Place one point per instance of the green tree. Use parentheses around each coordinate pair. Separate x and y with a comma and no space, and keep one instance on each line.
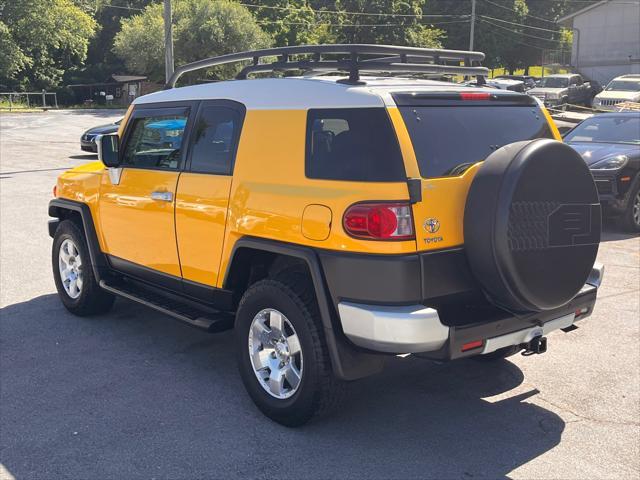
(45,37)
(504,28)
(12,60)
(101,60)
(385,23)
(201,29)
(289,22)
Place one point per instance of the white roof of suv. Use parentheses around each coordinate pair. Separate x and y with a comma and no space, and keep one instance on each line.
(295,93)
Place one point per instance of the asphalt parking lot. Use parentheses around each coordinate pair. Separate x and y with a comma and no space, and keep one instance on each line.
(133,394)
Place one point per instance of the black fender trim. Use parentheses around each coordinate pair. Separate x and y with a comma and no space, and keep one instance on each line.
(57,207)
(348,362)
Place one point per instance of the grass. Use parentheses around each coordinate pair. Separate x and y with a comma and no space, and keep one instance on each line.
(535,71)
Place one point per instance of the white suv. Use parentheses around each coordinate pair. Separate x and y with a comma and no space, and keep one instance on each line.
(625,88)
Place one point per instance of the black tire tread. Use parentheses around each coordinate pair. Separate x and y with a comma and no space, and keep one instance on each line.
(329,390)
(333,390)
(626,220)
(93,300)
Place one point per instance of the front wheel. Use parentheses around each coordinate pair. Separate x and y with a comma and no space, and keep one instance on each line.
(77,286)
(631,218)
(282,356)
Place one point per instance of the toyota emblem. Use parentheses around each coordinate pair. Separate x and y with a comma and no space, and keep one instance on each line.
(431,225)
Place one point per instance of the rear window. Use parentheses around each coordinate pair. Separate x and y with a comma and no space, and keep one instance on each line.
(447,139)
(352,144)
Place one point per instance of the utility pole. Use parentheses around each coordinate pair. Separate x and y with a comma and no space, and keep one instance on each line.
(168,41)
(473,24)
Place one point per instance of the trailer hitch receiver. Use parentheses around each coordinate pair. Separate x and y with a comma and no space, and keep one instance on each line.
(536,345)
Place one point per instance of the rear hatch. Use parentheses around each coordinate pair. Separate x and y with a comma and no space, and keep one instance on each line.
(451,133)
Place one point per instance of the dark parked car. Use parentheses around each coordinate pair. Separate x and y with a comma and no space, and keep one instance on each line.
(610,144)
(87,140)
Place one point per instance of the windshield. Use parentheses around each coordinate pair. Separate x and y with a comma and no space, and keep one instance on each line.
(554,82)
(624,86)
(447,139)
(601,129)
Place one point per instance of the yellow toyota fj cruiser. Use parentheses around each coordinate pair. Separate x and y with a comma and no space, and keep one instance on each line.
(333,221)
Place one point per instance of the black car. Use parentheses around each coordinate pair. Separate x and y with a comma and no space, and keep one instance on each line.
(87,140)
(610,144)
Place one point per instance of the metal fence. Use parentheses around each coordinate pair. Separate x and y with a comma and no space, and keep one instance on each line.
(554,60)
(28,100)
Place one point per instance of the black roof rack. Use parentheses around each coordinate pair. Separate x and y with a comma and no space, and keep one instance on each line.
(353,59)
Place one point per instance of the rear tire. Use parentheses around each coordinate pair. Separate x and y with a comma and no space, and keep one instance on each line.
(73,275)
(269,355)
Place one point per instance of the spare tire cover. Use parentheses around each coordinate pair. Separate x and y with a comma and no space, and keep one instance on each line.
(532,225)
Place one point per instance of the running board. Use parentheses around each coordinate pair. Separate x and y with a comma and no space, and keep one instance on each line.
(212,322)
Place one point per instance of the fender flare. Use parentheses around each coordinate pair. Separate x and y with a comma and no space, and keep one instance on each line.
(57,207)
(348,363)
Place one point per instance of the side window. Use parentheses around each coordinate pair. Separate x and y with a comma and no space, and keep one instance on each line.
(352,144)
(215,136)
(579,81)
(155,142)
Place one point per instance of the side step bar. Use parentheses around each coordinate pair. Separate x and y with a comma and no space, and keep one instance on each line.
(212,322)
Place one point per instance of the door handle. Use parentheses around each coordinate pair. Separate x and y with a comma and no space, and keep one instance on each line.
(162,196)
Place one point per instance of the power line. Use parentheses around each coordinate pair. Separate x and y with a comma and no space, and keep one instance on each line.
(519,24)
(520,33)
(338,12)
(515,11)
(324,24)
(503,35)
(106,5)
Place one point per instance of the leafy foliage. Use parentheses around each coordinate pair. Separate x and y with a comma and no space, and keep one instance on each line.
(201,29)
(43,38)
(80,41)
(388,25)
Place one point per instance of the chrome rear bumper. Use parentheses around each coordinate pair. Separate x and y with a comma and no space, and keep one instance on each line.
(419,329)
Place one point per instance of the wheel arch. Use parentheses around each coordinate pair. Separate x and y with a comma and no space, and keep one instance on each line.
(62,209)
(347,362)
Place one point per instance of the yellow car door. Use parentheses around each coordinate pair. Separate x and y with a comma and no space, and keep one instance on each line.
(202,197)
(137,200)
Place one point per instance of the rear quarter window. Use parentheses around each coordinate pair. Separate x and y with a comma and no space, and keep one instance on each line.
(357,144)
(446,139)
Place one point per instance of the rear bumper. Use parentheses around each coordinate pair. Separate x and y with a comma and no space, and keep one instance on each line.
(419,329)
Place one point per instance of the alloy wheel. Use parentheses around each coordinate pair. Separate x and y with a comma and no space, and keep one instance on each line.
(70,267)
(275,353)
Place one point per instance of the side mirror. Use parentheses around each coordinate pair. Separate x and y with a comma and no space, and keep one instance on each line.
(108,150)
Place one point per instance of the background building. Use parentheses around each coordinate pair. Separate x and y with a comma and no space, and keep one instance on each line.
(606,39)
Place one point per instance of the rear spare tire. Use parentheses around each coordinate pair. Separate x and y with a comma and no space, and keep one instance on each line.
(532,225)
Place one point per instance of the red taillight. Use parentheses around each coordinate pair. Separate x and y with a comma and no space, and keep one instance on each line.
(55,190)
(475,96)
(379,221)
(471,345)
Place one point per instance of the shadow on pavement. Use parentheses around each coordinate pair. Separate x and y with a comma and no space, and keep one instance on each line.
(613,232)
(86,156)
(134,394)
